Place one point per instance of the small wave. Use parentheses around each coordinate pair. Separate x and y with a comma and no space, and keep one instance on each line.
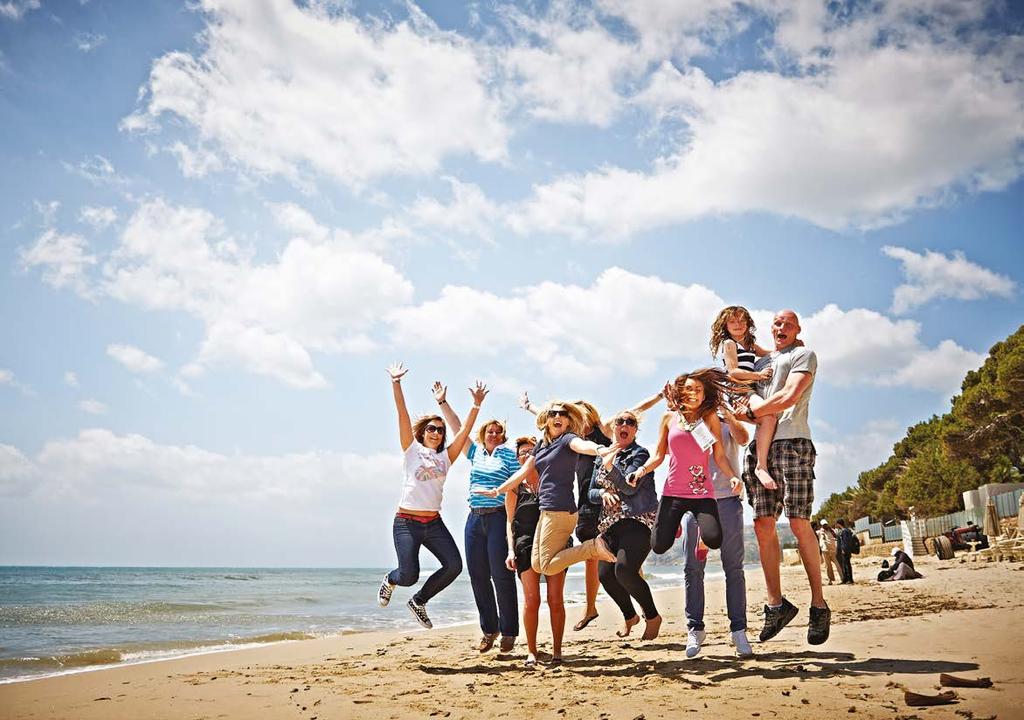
(102,613)
(241,577)
(57,662)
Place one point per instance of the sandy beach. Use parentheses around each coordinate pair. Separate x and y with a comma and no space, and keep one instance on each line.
(961,618)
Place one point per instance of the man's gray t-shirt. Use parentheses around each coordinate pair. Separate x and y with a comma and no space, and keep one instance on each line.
(792,421)
(719,479)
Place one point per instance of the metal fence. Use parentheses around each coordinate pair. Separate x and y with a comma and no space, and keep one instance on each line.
(1007,505)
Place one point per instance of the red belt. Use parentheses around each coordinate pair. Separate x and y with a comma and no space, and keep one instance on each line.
(418,518)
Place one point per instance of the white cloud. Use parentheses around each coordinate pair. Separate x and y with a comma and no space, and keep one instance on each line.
(841,459)
(870,131)
(934,275)
(98,170)
(303,505)
(568,68)
(862,346)
(99,218)
(71,379)
(93,407)
(16,9)
(136,360)
(87,41)
(195,162)
(319,295)
(470,213)
(63,258)
(283,90)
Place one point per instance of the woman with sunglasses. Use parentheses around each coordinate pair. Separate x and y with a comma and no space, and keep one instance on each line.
(597,431)
(418,520)
(522,506)
(628,512)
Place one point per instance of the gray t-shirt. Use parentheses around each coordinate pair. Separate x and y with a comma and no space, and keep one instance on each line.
(793,421)
(718,478)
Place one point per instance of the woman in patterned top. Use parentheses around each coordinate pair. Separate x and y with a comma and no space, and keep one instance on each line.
(628,512)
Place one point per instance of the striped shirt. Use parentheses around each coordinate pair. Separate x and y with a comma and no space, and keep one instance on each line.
(745,358)
(489,470)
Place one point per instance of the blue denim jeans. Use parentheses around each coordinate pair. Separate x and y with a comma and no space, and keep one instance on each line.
(494,585)
(409,535)
(730,516)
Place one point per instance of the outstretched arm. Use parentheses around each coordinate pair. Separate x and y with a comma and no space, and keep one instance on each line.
(525,404)
(527,472)
(640,407)
(478,393)
(787,397)
(661,451)
(397,372)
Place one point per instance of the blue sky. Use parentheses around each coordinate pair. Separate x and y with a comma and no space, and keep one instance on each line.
(221,222)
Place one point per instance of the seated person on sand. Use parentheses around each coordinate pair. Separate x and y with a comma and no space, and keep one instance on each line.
(902,568)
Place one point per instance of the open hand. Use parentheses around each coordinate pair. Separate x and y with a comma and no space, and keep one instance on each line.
(524,401)
(397,371)
(479,392)
(440,392)
(670,396)
(609,499)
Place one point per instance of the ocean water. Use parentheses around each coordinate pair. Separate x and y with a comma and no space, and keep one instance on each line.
(56,620)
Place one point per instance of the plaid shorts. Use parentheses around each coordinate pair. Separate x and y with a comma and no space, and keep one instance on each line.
(791,464)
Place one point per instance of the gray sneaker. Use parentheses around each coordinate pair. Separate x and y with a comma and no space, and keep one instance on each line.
(384,593)
(817,627)
(777,618)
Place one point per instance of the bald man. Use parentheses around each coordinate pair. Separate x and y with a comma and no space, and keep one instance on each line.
(791,465)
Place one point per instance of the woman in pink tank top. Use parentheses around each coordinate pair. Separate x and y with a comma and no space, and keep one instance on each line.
(690,433)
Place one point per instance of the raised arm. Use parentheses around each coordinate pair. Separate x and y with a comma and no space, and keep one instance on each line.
(718,450)
(441,395)
(588,447)
(796,384)
(641,407)
(732,362)
(525,404)
(661,451)
(397,372)
(478,393)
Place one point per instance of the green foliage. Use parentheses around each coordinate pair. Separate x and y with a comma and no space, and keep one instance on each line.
(980,440)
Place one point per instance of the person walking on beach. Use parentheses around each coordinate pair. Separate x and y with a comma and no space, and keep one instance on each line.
(597,431)
(628,512)
(844,550)
(791,465)
(522,506)
(730,515)
(418,520)
(827,545)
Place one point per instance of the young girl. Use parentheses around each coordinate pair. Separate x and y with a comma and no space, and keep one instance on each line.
(733,334)
(689,436)
(418,520)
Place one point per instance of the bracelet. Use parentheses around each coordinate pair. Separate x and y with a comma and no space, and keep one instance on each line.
(750,414)
(442,402)
(477,407)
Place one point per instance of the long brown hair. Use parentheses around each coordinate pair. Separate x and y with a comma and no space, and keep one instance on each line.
(720,328)
(717,385)
(591,416)
(575,418)
(419,427)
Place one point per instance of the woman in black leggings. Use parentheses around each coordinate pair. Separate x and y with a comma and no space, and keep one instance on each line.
(628,509)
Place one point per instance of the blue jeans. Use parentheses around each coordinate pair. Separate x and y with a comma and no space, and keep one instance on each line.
(486,550)
(409,535)
(730,516)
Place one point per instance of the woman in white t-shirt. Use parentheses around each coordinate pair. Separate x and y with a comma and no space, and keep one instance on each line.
(418,520)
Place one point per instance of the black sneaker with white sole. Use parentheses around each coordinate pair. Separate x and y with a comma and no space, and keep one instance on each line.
(817,627)
(420,613)
(777,618)
(384,593)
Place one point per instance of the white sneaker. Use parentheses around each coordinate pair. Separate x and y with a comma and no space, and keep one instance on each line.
(384,593)
(743,649)
(694,639)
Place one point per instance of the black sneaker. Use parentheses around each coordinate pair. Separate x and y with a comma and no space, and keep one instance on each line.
(777,618)
(817,628)
(420,613)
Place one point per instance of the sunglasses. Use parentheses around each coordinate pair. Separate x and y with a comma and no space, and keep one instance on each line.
(434,429)
(625,421)
(558,413)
